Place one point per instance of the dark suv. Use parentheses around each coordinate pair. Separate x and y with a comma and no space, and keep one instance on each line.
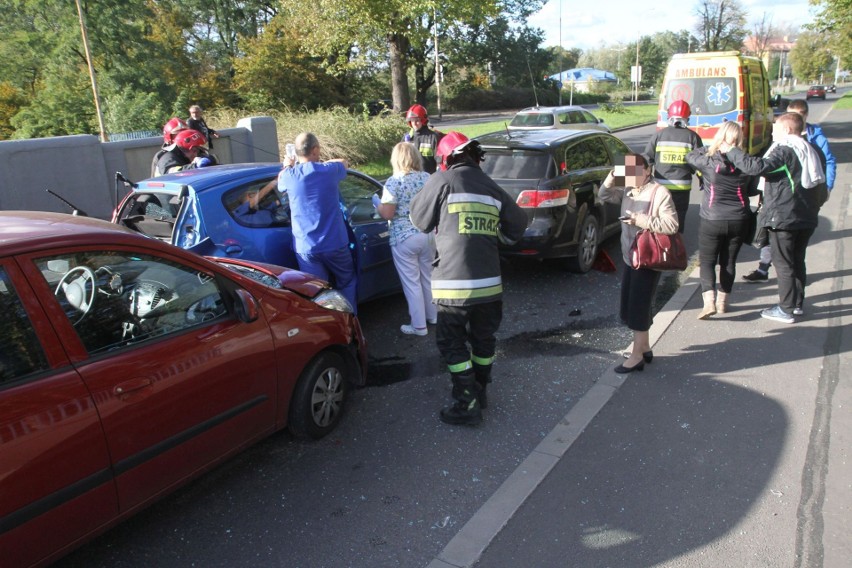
(555,175)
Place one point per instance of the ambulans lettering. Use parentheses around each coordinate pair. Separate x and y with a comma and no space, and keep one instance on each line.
(698,72)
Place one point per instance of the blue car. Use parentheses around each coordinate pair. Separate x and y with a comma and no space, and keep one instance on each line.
(202,210)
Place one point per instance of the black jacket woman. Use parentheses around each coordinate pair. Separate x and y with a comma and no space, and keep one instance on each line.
(725,217)
(634,189)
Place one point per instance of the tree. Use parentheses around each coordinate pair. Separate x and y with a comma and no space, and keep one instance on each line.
(393,26)
(834,19)
(810,57)
(563,59)
(761,33)
(11,101)
(275,72)
(721,24)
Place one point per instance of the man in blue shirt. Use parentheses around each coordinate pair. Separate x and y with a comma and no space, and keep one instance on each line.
(320,239)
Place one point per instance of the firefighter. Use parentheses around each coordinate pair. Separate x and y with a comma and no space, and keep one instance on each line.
(666,151)
(473,216)
(424,138)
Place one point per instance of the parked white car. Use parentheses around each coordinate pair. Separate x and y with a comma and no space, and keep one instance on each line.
(547,118)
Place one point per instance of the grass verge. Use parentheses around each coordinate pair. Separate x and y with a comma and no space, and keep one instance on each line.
(844,102)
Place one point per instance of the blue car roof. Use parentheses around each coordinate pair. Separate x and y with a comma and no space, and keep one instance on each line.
(202,179)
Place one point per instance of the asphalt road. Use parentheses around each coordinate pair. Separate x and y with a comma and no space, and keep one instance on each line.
(392,485)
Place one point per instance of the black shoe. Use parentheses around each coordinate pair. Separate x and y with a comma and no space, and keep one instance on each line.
(482,397)
(756,276)
(462,414)
(647,356)
(621,369)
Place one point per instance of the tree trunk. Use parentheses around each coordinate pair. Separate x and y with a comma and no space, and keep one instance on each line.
(399,45)
(423,81)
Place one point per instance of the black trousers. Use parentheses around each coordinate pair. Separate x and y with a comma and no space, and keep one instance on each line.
(788,256)
(680,197)
(638,288)
(459,325)
(719,242)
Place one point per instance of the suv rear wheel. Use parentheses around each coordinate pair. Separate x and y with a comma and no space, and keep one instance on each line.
(587,247)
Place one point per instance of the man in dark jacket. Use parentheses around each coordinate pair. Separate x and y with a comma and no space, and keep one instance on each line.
(424,138)
(188,152)
(472,215)
(196,122)
(792,170)
(667,151)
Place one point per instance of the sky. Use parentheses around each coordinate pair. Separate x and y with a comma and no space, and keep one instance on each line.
(590,25)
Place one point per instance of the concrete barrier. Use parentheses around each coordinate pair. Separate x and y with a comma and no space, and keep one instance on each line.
(82,169)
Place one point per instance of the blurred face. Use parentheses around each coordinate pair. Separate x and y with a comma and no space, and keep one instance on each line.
(633,171)
(195,113)
(415,123)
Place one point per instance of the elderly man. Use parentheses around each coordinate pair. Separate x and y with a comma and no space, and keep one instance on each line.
(320,239)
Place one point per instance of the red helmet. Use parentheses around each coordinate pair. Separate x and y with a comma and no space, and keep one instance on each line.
(679,109)
(417,111)
(452,144)
(189,139)
(171,128)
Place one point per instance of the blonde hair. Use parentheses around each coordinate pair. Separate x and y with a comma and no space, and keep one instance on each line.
(729,132)
(405,159)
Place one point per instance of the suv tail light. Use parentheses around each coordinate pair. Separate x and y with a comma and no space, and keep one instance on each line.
(533,198)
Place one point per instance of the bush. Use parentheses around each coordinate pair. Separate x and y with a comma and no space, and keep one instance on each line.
(342,134)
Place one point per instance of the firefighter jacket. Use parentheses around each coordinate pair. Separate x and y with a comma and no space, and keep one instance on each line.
(472,215)
(666,151)
(426,141)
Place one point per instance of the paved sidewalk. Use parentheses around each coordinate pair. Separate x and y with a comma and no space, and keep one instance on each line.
(731,449)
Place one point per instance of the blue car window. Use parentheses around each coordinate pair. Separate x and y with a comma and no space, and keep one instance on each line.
(357,194)
(20,351)
(150,213)
(249,208)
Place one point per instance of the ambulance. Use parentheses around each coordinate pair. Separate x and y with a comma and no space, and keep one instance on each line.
(720,86)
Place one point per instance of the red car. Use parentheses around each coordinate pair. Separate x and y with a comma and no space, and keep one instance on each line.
(816,92)
(129,366)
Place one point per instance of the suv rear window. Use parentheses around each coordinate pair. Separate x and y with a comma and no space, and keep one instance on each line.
(518,164)
(532,119)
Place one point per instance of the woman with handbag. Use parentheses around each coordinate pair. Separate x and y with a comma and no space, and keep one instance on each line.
(726,217)
(645,205)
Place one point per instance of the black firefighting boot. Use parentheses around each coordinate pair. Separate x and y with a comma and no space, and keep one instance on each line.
(483,377)
(466,409)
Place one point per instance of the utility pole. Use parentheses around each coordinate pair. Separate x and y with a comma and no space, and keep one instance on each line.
(104,137)
(438,71)
(559,81)
(638,73)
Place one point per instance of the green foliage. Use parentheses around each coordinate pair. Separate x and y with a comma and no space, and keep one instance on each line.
(342,134)
(128,109)
(834,20)
(63,106)
(810,57)
(11,101)
(275,72)
(616,107)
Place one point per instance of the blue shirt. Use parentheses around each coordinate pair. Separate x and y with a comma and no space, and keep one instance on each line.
(318,224)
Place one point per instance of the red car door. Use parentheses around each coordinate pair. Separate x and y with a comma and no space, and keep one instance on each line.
(178,380)
(56,484)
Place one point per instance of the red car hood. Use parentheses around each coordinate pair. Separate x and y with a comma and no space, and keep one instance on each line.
(302,283)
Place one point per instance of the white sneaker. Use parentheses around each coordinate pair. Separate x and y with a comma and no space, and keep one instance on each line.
(411,330)
(432,322)
(798,312)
